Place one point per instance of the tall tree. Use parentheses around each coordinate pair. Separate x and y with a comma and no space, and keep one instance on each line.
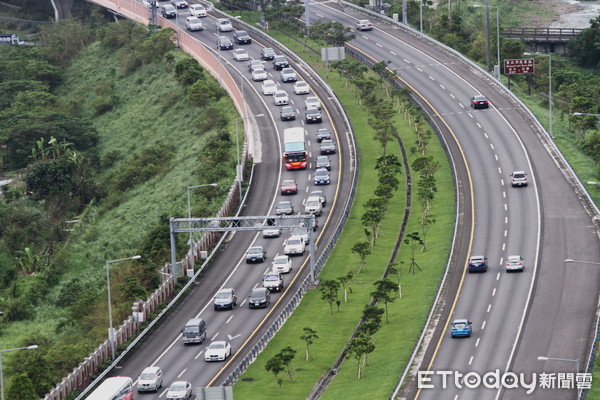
(276,365)
(363,249)
(20,387)
(385,292)
(287,355)
(332,33)
(329,292)
(309,337)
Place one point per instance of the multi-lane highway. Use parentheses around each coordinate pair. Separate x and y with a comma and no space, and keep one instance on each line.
(544,222)
(242,326)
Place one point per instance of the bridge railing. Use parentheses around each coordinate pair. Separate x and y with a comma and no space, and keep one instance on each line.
(541,34)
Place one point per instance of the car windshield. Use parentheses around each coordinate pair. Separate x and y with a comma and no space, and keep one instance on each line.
(280,260)
(519,176)
(147,375)
(322,159)
(312,111)
(257,293)
(289,183)
(191,329)
(294,241)
(255,250)
(327,142)
(177,387)
(214,346)
(193,20)
(301,84)
(242,33)
(223,295)
(321,173)
(460,325)
(477,260)
(271,278)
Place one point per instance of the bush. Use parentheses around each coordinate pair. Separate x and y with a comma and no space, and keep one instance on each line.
(143,166)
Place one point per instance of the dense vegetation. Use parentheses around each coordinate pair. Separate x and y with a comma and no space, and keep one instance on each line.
(101,131)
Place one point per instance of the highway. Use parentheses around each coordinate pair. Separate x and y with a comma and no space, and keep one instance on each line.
(544,222)
(241,326)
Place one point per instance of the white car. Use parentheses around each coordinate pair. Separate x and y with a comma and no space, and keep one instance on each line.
(223,25)
(269,87)
(150,380)
(294,246)
(259,74)
(179,390)
(198,10)
(280,98)
(364,25)
(218,350)
(240,55)
(288,75)
(282,264)
(271,232)
(515,263)
(193,24)
(313,205)
(301,87)
(519,178)
(312,102)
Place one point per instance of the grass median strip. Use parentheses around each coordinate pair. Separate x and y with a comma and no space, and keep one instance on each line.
(394,342)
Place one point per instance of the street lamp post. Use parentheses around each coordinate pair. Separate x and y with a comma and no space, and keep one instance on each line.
(111,331)
(238,168)
(576,361)
(32,347)
(496,72)
(189,208)
(549,55)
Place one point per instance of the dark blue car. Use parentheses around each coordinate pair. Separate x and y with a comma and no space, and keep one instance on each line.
(478,264)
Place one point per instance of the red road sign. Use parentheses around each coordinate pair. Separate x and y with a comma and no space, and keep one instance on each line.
(518,66)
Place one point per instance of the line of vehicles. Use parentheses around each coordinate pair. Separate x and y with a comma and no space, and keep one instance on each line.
(479,263)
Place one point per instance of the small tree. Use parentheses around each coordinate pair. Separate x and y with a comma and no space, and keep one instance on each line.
(287,355)
(413,240)
(343,281)
(363,249)
(276,365)
(332,33)
(359,347)
(309,336)
(385,293)
(329,292)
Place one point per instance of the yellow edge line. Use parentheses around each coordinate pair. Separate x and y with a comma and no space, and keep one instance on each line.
(437,347)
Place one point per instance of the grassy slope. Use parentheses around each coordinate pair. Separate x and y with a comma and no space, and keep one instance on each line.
(152,108)
(395,341)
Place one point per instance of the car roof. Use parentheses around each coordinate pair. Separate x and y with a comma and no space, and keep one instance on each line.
(259,290)
(226,290)
(312,198)
(461,321)
(151,369)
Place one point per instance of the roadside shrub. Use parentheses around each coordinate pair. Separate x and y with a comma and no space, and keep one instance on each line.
(188,71)
(143,166)
(17,310)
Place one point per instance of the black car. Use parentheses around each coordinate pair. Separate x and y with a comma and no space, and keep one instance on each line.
(241,37)
(259,298)
(287,113)
(323,162)
(179,3)
(479,102)
(169,11)
(256,254)
(267,54)
(224,43)
(327,147)
(280,62)
(313,115)
(323,133)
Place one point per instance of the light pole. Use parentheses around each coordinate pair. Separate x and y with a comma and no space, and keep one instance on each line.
(549,55)
(568,260)
(32,347)
(497,72)
(111,331)
(191,241)
(238,168)
(576,361)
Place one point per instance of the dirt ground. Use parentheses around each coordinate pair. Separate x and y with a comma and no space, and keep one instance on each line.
(565,13)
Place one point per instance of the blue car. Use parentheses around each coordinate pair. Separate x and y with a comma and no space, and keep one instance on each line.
(461,328)
(322,177)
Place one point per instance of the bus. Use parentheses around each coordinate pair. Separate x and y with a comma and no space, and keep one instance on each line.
(295,155)
(115,388)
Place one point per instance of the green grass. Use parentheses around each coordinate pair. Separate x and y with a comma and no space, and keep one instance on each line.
(151,108)
(395,341)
